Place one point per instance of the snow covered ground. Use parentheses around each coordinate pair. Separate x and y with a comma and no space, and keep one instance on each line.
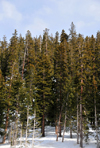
(49,141)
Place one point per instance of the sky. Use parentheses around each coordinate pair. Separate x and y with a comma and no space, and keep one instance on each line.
(36,15)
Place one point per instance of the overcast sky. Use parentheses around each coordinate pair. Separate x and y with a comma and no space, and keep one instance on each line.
(36,15)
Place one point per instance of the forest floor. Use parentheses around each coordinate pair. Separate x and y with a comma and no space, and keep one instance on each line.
(49,141)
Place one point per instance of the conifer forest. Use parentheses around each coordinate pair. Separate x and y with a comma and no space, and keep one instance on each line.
(50,80)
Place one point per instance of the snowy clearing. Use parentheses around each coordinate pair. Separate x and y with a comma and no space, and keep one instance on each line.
(49,141)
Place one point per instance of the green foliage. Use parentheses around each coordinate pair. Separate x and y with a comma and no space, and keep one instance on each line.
(45,74)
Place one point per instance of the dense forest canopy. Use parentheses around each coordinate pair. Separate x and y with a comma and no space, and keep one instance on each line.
(58,77)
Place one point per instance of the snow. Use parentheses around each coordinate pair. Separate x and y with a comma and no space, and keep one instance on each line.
(49,141)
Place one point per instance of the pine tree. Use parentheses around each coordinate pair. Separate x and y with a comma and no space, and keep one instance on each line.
(43,83)
(60,76)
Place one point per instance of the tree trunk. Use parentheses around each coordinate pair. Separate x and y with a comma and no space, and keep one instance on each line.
(77,123)
(11,136)
(65,120)
(95,90)
(60,119)
(27,127)
(34,129)
(96,125)
(81,129)
(43,125)
(58,131)
(81,126)
(16,128)
(4,138)
(43,116)
(56,127)
(14,134)
(60,113)
(21,135)
(71,130)
(64,126)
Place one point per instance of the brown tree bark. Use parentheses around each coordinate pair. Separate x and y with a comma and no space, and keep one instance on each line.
(81,126)
(43,125)
(43,116)
(71,130)
(58,126)
(64,126)
(77,122)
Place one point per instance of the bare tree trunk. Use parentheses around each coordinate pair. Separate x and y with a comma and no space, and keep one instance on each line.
(81,129)
(43,125)
(81,126)
(43,116)
(77,123)
(60,120)
(65,120)
(34,129)
(60,130)
(21,135)
(15,142)
(64,126)
(27,127)
(57,133)
(70,130)
(16,128)
(96,125)
(11,136)
(14,132)
(60,112)
(58,126)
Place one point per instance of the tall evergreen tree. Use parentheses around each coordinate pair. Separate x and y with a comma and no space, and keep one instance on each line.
(43,84)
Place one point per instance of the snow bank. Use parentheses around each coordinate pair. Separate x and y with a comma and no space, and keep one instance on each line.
(50,141)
